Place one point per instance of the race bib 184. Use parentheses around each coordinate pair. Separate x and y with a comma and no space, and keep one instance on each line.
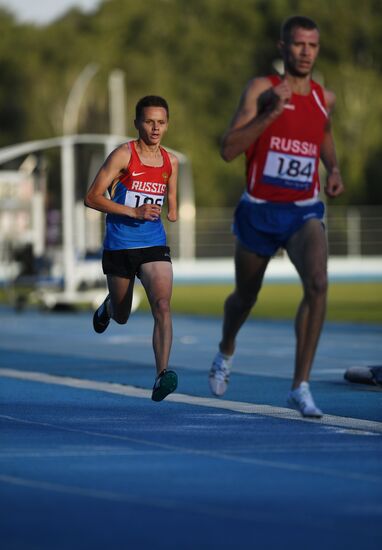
(293,172)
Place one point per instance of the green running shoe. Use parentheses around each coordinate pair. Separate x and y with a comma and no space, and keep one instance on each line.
(166,382)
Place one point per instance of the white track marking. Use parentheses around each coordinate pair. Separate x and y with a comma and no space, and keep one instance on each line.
(211,402)
(231,457)
(204,510)
(80,491)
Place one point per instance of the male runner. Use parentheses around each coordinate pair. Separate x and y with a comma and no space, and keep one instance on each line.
(282,125)
(138,175)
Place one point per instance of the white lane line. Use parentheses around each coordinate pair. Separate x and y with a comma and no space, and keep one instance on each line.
(108,452)
(222,404)
(201,509)
(81,491)
(218,455)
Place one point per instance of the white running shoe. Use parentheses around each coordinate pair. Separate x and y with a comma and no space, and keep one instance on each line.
(301,399)
(219,374)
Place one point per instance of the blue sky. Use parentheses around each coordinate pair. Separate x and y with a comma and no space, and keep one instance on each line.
(44,11)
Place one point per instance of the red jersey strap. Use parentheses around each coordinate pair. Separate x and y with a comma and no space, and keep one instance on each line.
(135,160)
(166,160)
(319,96)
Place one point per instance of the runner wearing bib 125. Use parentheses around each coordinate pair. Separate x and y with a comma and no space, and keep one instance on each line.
(138,175)
(138,185)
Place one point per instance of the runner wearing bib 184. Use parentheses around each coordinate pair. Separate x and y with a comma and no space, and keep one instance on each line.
(282,125)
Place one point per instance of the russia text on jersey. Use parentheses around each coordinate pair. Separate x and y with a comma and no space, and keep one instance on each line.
(148,187)
(296,146)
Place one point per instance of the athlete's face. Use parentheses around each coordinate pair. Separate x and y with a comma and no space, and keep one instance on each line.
(301,52)
(152,125)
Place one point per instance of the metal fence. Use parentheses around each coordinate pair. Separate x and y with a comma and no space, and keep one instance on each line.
(355,231)
(352,231)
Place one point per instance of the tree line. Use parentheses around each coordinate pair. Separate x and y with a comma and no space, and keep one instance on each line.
(199,55)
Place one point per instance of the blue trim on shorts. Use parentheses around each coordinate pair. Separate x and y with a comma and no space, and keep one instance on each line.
(264,228)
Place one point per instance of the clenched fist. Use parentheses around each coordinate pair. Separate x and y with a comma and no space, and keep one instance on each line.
(149,212)
(273,100)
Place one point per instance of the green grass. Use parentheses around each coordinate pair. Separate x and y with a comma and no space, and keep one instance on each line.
(351,302)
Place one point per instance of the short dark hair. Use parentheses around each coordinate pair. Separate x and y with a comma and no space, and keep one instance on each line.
(150,101)
(296,21)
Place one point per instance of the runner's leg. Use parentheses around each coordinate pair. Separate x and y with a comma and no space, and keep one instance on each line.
(121,297)
(156,278)
(307,249)
(249,269)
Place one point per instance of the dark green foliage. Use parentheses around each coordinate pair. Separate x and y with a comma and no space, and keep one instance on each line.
(198,54)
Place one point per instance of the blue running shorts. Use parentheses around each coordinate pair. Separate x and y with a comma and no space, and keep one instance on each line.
(265,227)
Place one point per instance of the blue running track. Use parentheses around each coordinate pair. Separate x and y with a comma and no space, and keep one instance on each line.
(88,461)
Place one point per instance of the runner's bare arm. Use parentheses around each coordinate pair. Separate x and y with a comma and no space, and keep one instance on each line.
(259,106)
(334,185)
(110,171)
(172,214)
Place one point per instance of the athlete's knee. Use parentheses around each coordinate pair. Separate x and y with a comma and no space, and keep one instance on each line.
(161,307)
(317,285)
(241,300)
